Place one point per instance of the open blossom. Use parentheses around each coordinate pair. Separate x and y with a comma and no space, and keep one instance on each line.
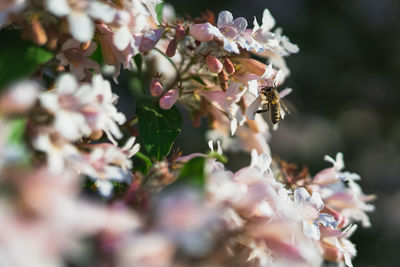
(80,14)
(106,162)
(348,199)
(267,40)
(80,109)
(232,31)
(75,57)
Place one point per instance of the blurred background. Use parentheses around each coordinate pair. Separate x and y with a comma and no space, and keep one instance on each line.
(346,98)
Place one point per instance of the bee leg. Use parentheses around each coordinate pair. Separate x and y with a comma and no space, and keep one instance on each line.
(262,110)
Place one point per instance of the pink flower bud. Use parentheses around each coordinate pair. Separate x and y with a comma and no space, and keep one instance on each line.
(180,32)
(213,64)
(169,99)
(150,39)
(156,87)
(171,49)
(229,67)
(204,32)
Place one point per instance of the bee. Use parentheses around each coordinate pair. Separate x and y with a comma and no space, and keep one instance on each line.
(271,101)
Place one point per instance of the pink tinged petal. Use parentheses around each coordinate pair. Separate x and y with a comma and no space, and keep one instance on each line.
(214,64)
(150,39)
(268,22)
(240,24)
(156,87)
(102,11)
(329,232)
(169,99)
(215,97)
(190,156)
(58,7)
(204,32)
(233,93)
(326,177)
(252,108)
(122,38)
(225,18)
(80,26)
(285,92)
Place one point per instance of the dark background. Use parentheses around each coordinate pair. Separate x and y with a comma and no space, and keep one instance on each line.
(345,82)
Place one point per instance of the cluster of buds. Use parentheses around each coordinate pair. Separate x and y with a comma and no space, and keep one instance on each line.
(261,215)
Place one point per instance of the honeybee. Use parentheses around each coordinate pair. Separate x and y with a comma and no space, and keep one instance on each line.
(270,100)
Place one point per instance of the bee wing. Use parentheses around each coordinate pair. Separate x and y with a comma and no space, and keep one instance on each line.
(283,109)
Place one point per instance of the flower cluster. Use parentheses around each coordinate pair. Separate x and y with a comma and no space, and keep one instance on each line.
(70,186)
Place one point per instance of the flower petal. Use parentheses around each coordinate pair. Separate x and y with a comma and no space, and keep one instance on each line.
(80,26)
(225,18)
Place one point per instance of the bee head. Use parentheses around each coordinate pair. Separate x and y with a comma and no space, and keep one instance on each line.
(267,89)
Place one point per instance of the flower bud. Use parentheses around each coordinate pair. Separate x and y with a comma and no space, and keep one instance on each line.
(38,32)
(180,32)
(156,87)
(204,32)
(223,78)
(229,67)
(171,49)
(96,135)
(213,64)
(169,99)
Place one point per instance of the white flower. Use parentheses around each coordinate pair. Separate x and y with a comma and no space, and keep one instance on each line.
(79,15)
(232,31)
(75,57)
(80,109)
(265,39)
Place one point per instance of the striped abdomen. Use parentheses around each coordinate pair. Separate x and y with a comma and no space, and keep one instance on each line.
(275,113)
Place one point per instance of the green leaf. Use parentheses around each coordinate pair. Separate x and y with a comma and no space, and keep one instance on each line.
(139,62)
(198,79)
(97,55)
(143,168)
(158,128)
(18,58)
(192,172)
(159,10)
(16,141)
(17,131)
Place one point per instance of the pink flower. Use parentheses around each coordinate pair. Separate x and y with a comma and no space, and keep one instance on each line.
(213,64)
(169,99)
(75,57)
(204,32)
(156,87)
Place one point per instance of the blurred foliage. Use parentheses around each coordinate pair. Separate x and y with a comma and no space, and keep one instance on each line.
(20,58)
